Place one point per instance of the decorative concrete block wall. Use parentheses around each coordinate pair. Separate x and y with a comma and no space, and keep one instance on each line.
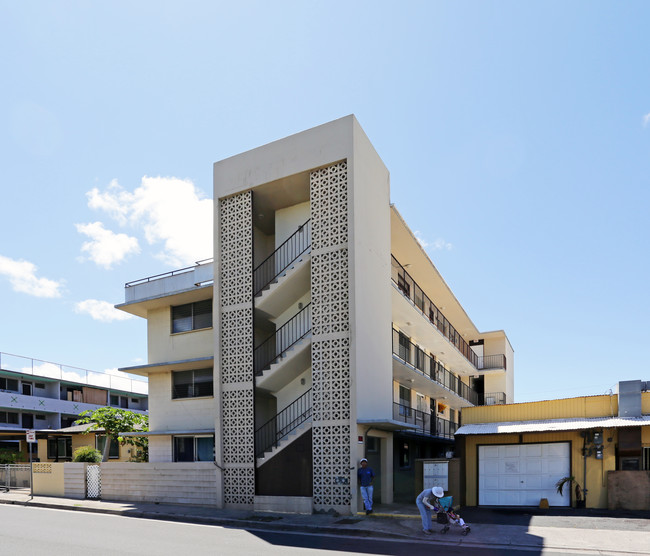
(236,349)
(330,304)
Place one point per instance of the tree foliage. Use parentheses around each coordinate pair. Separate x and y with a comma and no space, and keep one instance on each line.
(115,421)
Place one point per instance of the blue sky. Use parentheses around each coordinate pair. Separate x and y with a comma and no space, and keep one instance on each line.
(517,135)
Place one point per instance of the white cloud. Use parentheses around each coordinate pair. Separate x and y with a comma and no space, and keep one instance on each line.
(170,211)
(646,120)
(438,245)
(106,248)
(22,276)
(100,310)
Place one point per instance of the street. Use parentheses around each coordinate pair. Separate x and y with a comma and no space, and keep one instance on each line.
(41,532)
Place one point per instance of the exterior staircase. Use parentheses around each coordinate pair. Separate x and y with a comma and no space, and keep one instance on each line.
(280,431)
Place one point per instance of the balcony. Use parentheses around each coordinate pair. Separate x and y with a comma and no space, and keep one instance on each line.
(433,379)
(425,423)
(492,398)
(410,290)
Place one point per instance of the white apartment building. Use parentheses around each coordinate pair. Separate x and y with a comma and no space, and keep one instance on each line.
(47,397)
(319,333)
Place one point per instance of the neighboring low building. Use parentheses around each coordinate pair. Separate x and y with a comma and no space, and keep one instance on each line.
(59,445)
(46,397)
(321,332)
(513,455)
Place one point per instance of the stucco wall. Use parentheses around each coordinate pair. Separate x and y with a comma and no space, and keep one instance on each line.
(287,221)
(164,346)
(48,479)
(184,414)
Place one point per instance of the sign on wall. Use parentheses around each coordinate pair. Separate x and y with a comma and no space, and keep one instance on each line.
(436,474)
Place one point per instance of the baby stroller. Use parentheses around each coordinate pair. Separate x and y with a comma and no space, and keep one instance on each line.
(447,515)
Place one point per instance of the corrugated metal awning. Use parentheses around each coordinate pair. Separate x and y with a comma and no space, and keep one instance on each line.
(550,425)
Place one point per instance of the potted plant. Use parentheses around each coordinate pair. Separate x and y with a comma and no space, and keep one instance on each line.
(564,481)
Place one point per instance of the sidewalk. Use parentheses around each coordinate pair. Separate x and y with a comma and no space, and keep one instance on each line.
(596,532)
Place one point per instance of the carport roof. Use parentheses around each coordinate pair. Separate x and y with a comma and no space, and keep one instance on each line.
(549,425)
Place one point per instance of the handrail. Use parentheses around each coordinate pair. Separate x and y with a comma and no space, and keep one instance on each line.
(271,433)
(426,423)
(167,274)
(410,289)
(278,261)
(291,332)
(415,356)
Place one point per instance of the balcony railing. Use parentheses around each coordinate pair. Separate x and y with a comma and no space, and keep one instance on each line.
(168,274)
(492,398)
(282,258)
(491,362)
(425,422)
(290,333)
(271,433)
(412,354)
(410,289)
(66,373)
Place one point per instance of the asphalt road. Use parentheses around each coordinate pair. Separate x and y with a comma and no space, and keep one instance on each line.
(41,532)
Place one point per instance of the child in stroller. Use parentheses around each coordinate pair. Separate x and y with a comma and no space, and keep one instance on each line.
(446,514)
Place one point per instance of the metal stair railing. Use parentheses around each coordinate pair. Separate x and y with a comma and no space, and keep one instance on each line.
(290,333)
(282,258)
(271,433)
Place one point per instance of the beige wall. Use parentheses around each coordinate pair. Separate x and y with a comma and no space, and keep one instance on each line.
(48,479)
(184,414)
(370,282)
(160,449)
(287,221)
(164,346)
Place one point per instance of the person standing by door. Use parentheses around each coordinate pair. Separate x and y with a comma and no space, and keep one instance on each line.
(366,476)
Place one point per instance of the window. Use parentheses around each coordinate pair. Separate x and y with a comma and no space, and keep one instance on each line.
(404,347)
(8,384)
(194,448)
(404,401)
(120,401)
(59,448)
(27,388)
(8,417)
(192,384)
(645,465)
(192,316)
(28,420)
(114,450)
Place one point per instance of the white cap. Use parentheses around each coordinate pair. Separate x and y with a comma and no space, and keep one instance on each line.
(362,460)
(438,492)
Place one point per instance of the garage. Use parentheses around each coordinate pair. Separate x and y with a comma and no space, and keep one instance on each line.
(522,474)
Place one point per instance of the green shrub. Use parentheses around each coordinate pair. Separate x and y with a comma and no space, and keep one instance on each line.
(87,454)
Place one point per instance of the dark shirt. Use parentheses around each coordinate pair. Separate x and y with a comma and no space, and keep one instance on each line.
(365,476)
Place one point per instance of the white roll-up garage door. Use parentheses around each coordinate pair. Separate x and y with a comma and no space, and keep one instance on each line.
(522,474)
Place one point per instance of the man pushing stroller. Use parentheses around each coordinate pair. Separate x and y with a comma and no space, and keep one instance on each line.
(434,499)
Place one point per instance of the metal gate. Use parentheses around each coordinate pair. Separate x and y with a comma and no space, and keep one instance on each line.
(93,481)
(14,476)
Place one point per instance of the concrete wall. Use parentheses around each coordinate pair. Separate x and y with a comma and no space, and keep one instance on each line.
(185,414)
(49,479)
(160,449)
(164,346)
(628,490)
(370,283)
(287,221)
(171,483)
(74,478)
